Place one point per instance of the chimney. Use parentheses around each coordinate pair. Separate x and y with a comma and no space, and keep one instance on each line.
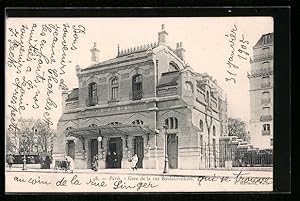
(64,94)
(78,70)
(162,35)
(180,50)
(94,52)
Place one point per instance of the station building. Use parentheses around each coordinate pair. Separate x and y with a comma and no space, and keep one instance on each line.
(121,107)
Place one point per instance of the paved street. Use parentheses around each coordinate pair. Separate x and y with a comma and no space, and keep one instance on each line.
(265,172)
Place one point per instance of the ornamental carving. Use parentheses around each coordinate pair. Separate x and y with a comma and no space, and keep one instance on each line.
(265,118)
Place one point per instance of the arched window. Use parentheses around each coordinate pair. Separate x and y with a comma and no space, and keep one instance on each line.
(173,66)
(266,111)
(138,122)
(265,50)
(92,125)
(266,94)
(266,97)
(188,86)
(92,93)
(214,131)
(201,125)
(137,87)
(266,129)
(265,65)
(114,123)
(114,88)
(172,123)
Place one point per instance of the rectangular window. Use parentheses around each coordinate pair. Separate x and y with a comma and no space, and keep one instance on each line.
(114,93)
(214,147)
(266,127)
(271,142)
(201,143)
(266,111)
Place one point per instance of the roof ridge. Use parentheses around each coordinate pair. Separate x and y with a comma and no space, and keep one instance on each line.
(136,49)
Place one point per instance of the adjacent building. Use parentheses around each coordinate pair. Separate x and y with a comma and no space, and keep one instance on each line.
(135,103)
(261,93)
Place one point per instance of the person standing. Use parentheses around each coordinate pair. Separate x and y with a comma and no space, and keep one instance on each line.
(10,160)
(47,162)
(70,163)
(95,163)
(134,161)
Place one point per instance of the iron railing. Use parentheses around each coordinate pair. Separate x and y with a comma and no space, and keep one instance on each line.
(261,72)
(259,57)
(266,132)
(264,118)
(137,95)
(92,101)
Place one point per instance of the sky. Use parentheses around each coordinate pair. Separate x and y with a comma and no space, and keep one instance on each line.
(204,39)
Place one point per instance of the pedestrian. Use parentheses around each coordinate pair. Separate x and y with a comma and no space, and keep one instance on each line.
(134,160)
(108,160)
(71,164)
(10,160)
(115,159)
(47,162)
(95,163)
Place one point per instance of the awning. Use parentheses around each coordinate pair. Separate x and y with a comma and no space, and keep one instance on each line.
(107,130)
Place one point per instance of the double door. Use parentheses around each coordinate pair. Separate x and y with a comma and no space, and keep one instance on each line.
(115,153)
(172,148)
(138,145)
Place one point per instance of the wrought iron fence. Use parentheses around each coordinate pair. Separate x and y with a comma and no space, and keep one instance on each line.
(238,155)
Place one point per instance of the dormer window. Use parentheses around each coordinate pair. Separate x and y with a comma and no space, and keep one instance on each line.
(173,66)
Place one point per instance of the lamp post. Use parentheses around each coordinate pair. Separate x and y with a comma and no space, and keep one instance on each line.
(166,167)
(24,157)
(99,139)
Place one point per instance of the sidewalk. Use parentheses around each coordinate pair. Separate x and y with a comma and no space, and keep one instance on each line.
(155,172)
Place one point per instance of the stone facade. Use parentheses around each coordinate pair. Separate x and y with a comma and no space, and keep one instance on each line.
(152,86)
(261,93)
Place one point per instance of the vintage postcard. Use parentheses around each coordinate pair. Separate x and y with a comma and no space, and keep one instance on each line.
(140,104)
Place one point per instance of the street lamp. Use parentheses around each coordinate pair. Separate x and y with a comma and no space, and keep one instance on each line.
(166,168)
(24,157)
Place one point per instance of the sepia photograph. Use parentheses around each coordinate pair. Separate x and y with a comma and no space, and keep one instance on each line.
(139,104)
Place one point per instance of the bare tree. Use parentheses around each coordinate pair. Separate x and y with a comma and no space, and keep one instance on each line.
(33,136)
(237,127)
(44,135)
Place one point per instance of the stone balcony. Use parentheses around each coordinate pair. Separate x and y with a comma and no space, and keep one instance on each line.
(260,72)
(266,132)
(92,101)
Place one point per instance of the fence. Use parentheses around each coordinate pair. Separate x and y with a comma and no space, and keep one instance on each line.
(240,156)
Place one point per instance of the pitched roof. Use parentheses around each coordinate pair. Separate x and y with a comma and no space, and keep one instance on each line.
(265,39)
(125,55)
(168,79)
(73,95)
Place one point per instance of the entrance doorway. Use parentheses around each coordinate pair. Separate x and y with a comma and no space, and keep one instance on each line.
(94,149)
(138,143)
(115,153)
(173,150)
(71,149)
